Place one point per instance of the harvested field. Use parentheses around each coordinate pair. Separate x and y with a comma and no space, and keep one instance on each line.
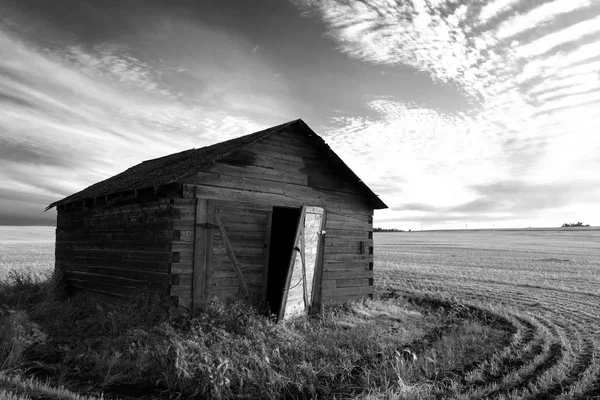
(504,314)
(547,282)
(26,249)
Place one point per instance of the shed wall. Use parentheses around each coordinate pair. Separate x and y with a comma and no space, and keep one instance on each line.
(116,250)
(282,170)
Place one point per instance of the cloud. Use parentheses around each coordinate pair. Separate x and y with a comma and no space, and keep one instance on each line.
(78,113)
(543,13)
(532,73)
(116,64)
(410,152)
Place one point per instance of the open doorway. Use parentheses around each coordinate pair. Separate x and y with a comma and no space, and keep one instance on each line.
(284,224)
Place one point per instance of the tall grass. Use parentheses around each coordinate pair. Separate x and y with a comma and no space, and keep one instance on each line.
(230,350)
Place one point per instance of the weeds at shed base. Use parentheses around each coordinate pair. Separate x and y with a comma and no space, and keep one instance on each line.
(231,350)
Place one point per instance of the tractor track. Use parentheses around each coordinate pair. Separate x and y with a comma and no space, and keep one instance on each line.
(555,351)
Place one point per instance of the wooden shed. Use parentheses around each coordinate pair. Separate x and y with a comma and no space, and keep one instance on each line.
(275,215)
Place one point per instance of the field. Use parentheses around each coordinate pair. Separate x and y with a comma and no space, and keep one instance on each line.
(548,281)
(502,314)
(26,248)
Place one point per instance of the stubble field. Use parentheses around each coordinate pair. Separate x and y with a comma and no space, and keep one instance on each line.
(26,248)
(503,314)
(546,282)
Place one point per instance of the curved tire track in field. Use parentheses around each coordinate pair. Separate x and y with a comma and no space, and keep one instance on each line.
(558,356)
(546,282)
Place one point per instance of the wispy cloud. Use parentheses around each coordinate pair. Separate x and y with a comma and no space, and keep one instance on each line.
(494,8)
(77,114)
(539,15)
(532,70)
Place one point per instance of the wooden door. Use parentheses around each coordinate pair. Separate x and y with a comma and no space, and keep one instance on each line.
(230,249)
(303,283)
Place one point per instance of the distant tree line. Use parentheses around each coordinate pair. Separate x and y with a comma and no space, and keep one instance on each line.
(577,224)
(387,230)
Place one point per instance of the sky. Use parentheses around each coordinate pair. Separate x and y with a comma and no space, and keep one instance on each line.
(458,114)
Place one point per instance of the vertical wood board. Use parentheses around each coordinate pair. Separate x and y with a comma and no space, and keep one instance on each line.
(200,250)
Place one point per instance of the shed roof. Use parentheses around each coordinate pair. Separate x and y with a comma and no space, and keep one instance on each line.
(172,168)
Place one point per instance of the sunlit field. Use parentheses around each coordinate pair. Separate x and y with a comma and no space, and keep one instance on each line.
(503,314)
(26,248)
(547,282)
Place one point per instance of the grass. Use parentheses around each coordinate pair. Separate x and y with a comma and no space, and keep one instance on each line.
(499,315)
(229,350)
(18,387)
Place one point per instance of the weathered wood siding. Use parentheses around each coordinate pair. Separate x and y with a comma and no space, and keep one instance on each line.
(116,250)
(282,170)
(247,228)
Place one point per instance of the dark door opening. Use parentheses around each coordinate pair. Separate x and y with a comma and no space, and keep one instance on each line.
(284,224)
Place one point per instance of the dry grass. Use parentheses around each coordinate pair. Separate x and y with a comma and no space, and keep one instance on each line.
(489,314)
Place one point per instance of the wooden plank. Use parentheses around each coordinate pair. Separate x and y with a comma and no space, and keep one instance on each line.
(231,253)
(318,278)
(237,236)
(181,291)
(289,154)
(246,249)
(133,265)
(329,258)
(119,254)
(242,210)
(245,227)
(184,203)
(229,273)
(261,186)
(226,270)
(208,284)
(257,221)
(116,281)
(185,279)
(256,172)
(182,268)
(267,251)
(119,272)
(358,217)
(285,200)
(187,246)
(346,266)
(345,242)
(245,259)
(185,225)
(242,205)
(184,301)
(350,224)
(331,181)
(296,144)
(252,279)
(341,293)
(340,233)
(247,157)
(352,282)
(353,247)
(199,293)
(349,274)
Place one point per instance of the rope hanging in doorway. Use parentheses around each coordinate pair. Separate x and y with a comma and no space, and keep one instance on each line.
(303,278)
